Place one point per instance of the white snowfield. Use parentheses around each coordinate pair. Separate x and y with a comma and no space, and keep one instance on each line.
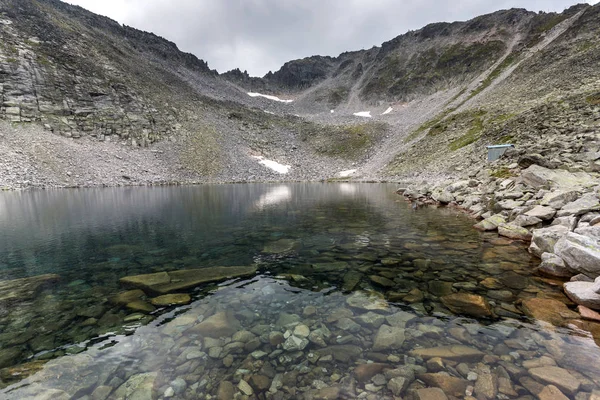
(389,110)
(268,96)
(345,174)
(274,165)
(365,114)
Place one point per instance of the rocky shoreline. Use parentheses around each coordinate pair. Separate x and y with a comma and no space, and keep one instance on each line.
(556,210)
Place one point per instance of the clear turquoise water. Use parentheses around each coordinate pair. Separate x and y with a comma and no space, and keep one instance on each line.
(314,245)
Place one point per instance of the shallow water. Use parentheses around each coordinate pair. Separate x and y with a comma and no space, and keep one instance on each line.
(347,275)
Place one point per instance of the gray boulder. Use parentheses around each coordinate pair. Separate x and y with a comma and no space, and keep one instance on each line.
(583,293)
(543,240)
(570,222)
(589,231)
(553,265)
(541,212)
(580,253)
(443,196)
(586,203)
(514,232)
(559,199)
(539,177)
(526,220)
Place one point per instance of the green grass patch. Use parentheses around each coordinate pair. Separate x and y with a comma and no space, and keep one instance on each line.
(502,173)
(509,60)
(507,139)
(474,132)
(344,141)
(593,99)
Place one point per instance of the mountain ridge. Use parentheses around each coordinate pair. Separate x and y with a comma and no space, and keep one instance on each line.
(86,77)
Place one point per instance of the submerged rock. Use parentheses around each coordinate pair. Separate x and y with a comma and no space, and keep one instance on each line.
(548,310)
(140,386)
(557,376)
(468,304)
(18,290)
(220,324)
(367,301)
(388,338)
(450,385)
(171,299)
(281,246)
(431,394)
(172,281)
(127,297)
(453,353)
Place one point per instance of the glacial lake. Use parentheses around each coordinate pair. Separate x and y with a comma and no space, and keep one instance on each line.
(275,291)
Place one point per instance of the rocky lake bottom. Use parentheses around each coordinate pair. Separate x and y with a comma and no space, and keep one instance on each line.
(280,291)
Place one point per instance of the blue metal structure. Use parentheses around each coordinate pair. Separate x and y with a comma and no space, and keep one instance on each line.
(496,151)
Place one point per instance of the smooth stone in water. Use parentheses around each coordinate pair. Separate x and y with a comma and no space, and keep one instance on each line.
(548,310)
(551,392)
(18,290)
(220,324)
(127,297)
(281,246)
(364,372)
(226,391)
(456,353)
(468,304)
(140,305)
(450,385)
(382,281)
(171,300)
(369,301)
(431,394)
(140,386)
(388,338)
(557,376)
(173,281)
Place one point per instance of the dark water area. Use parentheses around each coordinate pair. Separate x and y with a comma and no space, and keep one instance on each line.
(301,291)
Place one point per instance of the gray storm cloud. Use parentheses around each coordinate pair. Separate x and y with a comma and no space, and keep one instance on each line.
(260,35)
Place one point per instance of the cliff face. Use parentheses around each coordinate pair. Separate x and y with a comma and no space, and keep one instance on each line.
(82,74)
(433,93)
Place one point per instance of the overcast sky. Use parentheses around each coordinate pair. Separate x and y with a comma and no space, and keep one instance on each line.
(260,35)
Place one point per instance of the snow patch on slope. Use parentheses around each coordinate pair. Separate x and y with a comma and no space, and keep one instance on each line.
(274,165)
(345,174)
(389,110)
(365,114)
(268,96)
